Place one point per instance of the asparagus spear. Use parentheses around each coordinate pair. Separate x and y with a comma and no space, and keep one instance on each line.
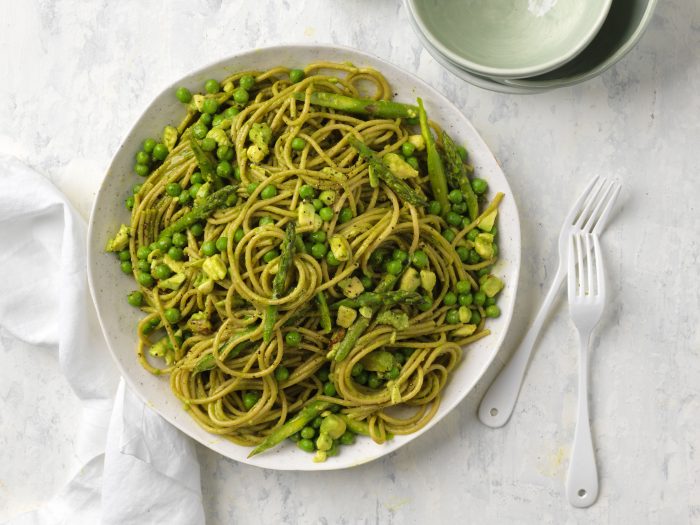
(360,106)
(386,299)
(213,202)
(278,282)
(436,171)
(294,425)
(203,161)
(457,175)
(359,326)
(324,311)
(399,187)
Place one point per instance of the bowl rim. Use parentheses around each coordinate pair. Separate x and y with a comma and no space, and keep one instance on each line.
(516,72)
(601,68)
(514,261)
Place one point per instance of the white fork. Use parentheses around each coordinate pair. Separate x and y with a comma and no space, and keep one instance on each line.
(589,213)
(586,305)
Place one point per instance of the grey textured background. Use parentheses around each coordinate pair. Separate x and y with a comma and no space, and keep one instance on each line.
(75,75)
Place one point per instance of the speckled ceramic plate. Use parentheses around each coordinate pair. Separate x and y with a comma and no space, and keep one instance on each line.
(110,286)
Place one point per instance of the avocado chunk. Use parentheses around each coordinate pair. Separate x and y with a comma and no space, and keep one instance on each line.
(378,361)
(351,287)
(487,221)
(398,166)
(427,280)
(173,282)
(484,245)
(397,319)
(346,316)
(410,280)
(491,286)
(120,241)
(214,267)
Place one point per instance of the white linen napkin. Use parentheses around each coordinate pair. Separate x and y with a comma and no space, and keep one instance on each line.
(138,469)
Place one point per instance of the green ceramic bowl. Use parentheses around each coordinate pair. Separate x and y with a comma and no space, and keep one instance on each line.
(624,26)
(510,38)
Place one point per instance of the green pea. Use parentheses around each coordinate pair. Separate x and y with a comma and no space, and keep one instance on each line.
(329,389)
(449,234)
(164,243)
(479,298)
(466,299)
(194,189)
(407,149)
(250,189)
(474,257)
(173,189)
(126,267)
(224,153)
(231,112)
(247,82)
(348,438)
(357,369)
(476,318)
(319,236)
(376,258)
(298,144)
(326,213)
(296,75)
(197,229)
(462,151)
(394,267)
(455,196)
(183,94)
(206,118)
(450,299)
(150,325)
(345,215)
(394,373)
(136,188)
(316,423)
(208,144)
(331,259)
(210,106)
(200,130)
(323,374)
(426,304)
(144,266)
(241,95)
(419,259)
(319,250)
(184,198)
(308,432)
(292,338)
(281,373)
(162,271)
(179,239)
(160,151)
(129,202)
(452,317)
(463,253)
(172,315)
(307,192)
(463,286)
(413,162)
(124,255)
(148,145)
(454,219)
(236,172)
(399,255)
(249,400)
(238,236)
(306,445)
(209,248)
(266,221)
(461,208)
(212,86)
(197,178)
(145,279)
(490,301)
(318,204)
(367,283)
(176,254)
(479,186)
(295,437)
(142,170)
(373,381)
(271,256)
(217,120)
(484,271)
(153,246)
(268,192)
(399,358)
(142,157)
(221,244)
(362,378)
(434,208)
(472,234)
(135,298)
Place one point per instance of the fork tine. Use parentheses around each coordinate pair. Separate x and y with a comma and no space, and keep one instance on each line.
(600,269)
(601,201)
(581,268)
(590,260)
(571,262)
(605,214)
(581,201)
(602,189)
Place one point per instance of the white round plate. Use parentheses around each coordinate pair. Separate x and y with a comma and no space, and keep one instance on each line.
(109,286)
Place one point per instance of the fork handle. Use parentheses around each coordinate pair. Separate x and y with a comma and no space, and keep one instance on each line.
(582,478)
(499,401)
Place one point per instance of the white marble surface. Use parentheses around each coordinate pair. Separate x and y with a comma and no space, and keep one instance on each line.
(75,75)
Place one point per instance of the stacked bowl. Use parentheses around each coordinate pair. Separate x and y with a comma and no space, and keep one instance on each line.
(528,46)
